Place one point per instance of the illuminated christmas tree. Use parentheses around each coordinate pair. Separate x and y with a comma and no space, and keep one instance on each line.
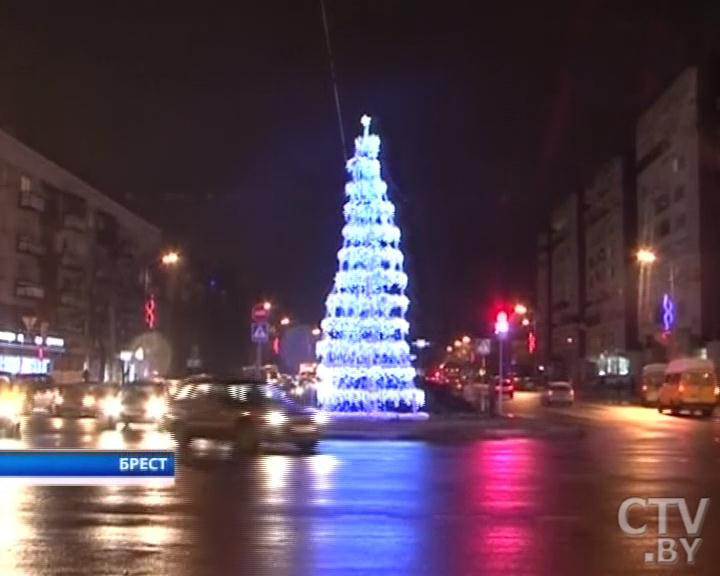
(365,363)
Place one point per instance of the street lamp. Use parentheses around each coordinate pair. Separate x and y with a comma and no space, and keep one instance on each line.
(466,340)
(520,309)
(285,321)
(525,322)
(170,258)
(267,305)
(316,332)
(645,256)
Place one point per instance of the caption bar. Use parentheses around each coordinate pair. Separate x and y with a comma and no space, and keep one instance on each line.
(87,467)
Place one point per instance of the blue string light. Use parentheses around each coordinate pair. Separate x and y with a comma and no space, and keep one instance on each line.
(668,312)
(365,362)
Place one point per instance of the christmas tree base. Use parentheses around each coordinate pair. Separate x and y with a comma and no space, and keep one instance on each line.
(404,416)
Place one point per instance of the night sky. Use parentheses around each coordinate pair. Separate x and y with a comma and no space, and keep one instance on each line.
(218,124)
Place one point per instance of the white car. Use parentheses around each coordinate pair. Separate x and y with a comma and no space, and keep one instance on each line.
(558,394)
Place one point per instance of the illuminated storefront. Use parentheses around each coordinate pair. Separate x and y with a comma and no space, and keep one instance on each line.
(24,354)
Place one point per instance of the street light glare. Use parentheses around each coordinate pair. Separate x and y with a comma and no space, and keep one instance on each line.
(267,305)
(316,332)
(525,322)
(170,258)
(466,339)
(285,321)
(646,256)
(520,309)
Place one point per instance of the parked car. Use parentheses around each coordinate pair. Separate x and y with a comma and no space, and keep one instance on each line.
(558,394)
(653,376)
(690,384)
(11,406)
(245,412)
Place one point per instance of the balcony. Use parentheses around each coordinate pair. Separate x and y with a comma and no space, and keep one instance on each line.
(28,289)
(28,244)
(72,300)
(75,222)
(71,261)
(32,201)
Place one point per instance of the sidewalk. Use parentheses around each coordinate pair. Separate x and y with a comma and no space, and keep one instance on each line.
(455,428)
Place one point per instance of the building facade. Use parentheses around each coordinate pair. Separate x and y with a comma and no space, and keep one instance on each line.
(566,287)
(542,304)
(609,268)
(678,190)
(72,266)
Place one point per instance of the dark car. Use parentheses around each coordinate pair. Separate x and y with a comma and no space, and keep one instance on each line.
(508,388)
(142,402)
(245,412)
(74,400)
(39,392)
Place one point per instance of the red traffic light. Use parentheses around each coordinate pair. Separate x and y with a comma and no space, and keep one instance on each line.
(502,325)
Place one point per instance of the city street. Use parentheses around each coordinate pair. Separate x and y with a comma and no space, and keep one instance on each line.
(514,506)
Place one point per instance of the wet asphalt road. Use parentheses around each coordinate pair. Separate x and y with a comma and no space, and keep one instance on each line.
(535,506)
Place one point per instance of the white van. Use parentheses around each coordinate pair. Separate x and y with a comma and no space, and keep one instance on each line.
(690,384)
(653,376)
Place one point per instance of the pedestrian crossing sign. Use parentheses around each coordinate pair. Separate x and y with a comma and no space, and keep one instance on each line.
(259,332)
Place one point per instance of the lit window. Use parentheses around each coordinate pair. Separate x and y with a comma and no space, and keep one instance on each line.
(25,183)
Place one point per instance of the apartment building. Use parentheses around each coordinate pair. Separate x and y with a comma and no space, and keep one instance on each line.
(678,197)
(609,267)
(72,265)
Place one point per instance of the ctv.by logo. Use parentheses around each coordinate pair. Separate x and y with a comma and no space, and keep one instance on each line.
(667,548)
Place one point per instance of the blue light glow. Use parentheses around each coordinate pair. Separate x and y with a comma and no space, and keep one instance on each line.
(365,361)
(668,312)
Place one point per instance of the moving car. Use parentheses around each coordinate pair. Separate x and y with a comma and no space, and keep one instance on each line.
(39,392)
(508,388)
(690,384)
(246,412)
(11,407)
(653,376)
(558,394)
(141,402)
(74,400)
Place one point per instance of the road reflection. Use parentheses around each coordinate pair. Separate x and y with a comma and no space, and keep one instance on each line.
(15,529)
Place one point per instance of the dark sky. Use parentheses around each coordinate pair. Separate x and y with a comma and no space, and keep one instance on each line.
(216,121)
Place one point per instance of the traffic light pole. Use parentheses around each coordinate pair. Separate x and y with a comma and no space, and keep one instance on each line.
(500,376)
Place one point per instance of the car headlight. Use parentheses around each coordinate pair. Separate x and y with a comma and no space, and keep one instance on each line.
(320,418)
(156,407)
(112,406)
(88,401)
(275,418)
(9,410)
